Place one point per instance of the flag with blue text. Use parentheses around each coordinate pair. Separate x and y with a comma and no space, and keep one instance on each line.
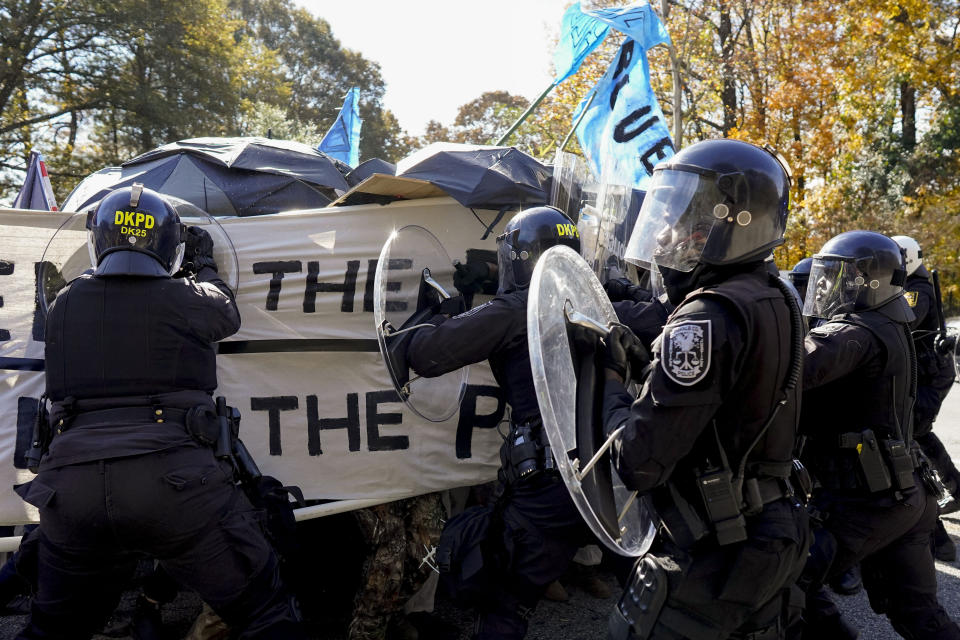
(638,21)
(624,129)
(580,34)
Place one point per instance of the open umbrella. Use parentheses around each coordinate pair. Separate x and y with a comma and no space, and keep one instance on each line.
(480,175)
(226,176)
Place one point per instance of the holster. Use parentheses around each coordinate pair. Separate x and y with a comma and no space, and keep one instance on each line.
(884,465)
(872,467)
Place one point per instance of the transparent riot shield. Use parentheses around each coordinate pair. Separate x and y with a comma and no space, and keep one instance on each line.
(414,273)
(69,253)
(616,208)
(567,315)
(954,333)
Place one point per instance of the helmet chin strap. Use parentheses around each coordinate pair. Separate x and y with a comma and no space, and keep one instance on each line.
(679,283)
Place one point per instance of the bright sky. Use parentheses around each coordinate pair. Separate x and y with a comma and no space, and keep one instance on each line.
(436,55)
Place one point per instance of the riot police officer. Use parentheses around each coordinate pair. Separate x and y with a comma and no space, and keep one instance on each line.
(539,529)
(130,369)
(799,276)
(711,435)
(935,373)
(859,388)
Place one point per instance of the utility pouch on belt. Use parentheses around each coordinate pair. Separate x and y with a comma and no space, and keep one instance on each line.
(870,457)
(722,502)
(901,463)
(525,452)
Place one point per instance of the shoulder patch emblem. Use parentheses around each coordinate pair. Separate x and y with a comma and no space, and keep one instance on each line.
(911,297)
(685,351)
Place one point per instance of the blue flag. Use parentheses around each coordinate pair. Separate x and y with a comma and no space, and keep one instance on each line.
(342,141)
(36,192)
(624,131)
(580,34)
(638,21)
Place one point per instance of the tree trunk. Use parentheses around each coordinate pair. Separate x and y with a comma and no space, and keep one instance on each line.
(908,114)
(728,90)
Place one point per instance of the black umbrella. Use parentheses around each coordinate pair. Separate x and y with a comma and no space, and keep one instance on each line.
(480,176)
(227,176)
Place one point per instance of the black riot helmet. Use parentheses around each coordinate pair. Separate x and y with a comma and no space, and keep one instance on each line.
(134,231)
(799,276)
(525,238)
(717,202)
(854,271)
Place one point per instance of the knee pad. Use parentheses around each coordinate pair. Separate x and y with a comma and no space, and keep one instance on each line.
(639,607)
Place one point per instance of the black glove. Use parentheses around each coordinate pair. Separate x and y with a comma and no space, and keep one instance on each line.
(469,277)
(946,344)
(620,289)
(199,249)
(453,306)
(626,356)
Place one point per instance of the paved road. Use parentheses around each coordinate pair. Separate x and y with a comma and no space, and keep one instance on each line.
(584,618)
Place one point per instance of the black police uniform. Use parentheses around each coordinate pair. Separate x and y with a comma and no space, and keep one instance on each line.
(935,373)
(719,370)
(541,527)
(126,358)
(858,376)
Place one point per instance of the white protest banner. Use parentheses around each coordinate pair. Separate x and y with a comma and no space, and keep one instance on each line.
(318,407)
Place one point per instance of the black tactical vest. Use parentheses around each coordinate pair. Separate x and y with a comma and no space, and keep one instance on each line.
(760,373)
(511,365)
(126,336)
(878,397)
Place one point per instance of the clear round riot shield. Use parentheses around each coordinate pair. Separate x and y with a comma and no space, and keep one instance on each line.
(414,273)
(69,253)
(567,315)
(616,209)
(224,253)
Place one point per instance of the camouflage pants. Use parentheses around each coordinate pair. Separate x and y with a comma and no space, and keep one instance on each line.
(399,535)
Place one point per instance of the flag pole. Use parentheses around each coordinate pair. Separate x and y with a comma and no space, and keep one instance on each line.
(677,89)
(525,115)
(579,120)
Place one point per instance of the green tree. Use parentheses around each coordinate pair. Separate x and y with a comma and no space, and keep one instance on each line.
(319,71)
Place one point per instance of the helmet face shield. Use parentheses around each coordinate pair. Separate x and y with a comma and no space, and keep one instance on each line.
(832,288)
(505,260)
(676,219)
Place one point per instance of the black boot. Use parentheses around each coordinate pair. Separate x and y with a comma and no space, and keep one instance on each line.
(848,583)
(147,623)
(943,547)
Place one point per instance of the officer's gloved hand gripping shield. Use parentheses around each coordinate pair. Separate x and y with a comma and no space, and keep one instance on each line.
(568,314)
(113,227)
(414,275)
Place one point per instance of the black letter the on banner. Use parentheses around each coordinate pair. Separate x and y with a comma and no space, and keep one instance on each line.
(349,286)
(469,420)
(392,285)
(315,424)
(274,405)
(6,269)
(375,441)
(277,268)
(26,416)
